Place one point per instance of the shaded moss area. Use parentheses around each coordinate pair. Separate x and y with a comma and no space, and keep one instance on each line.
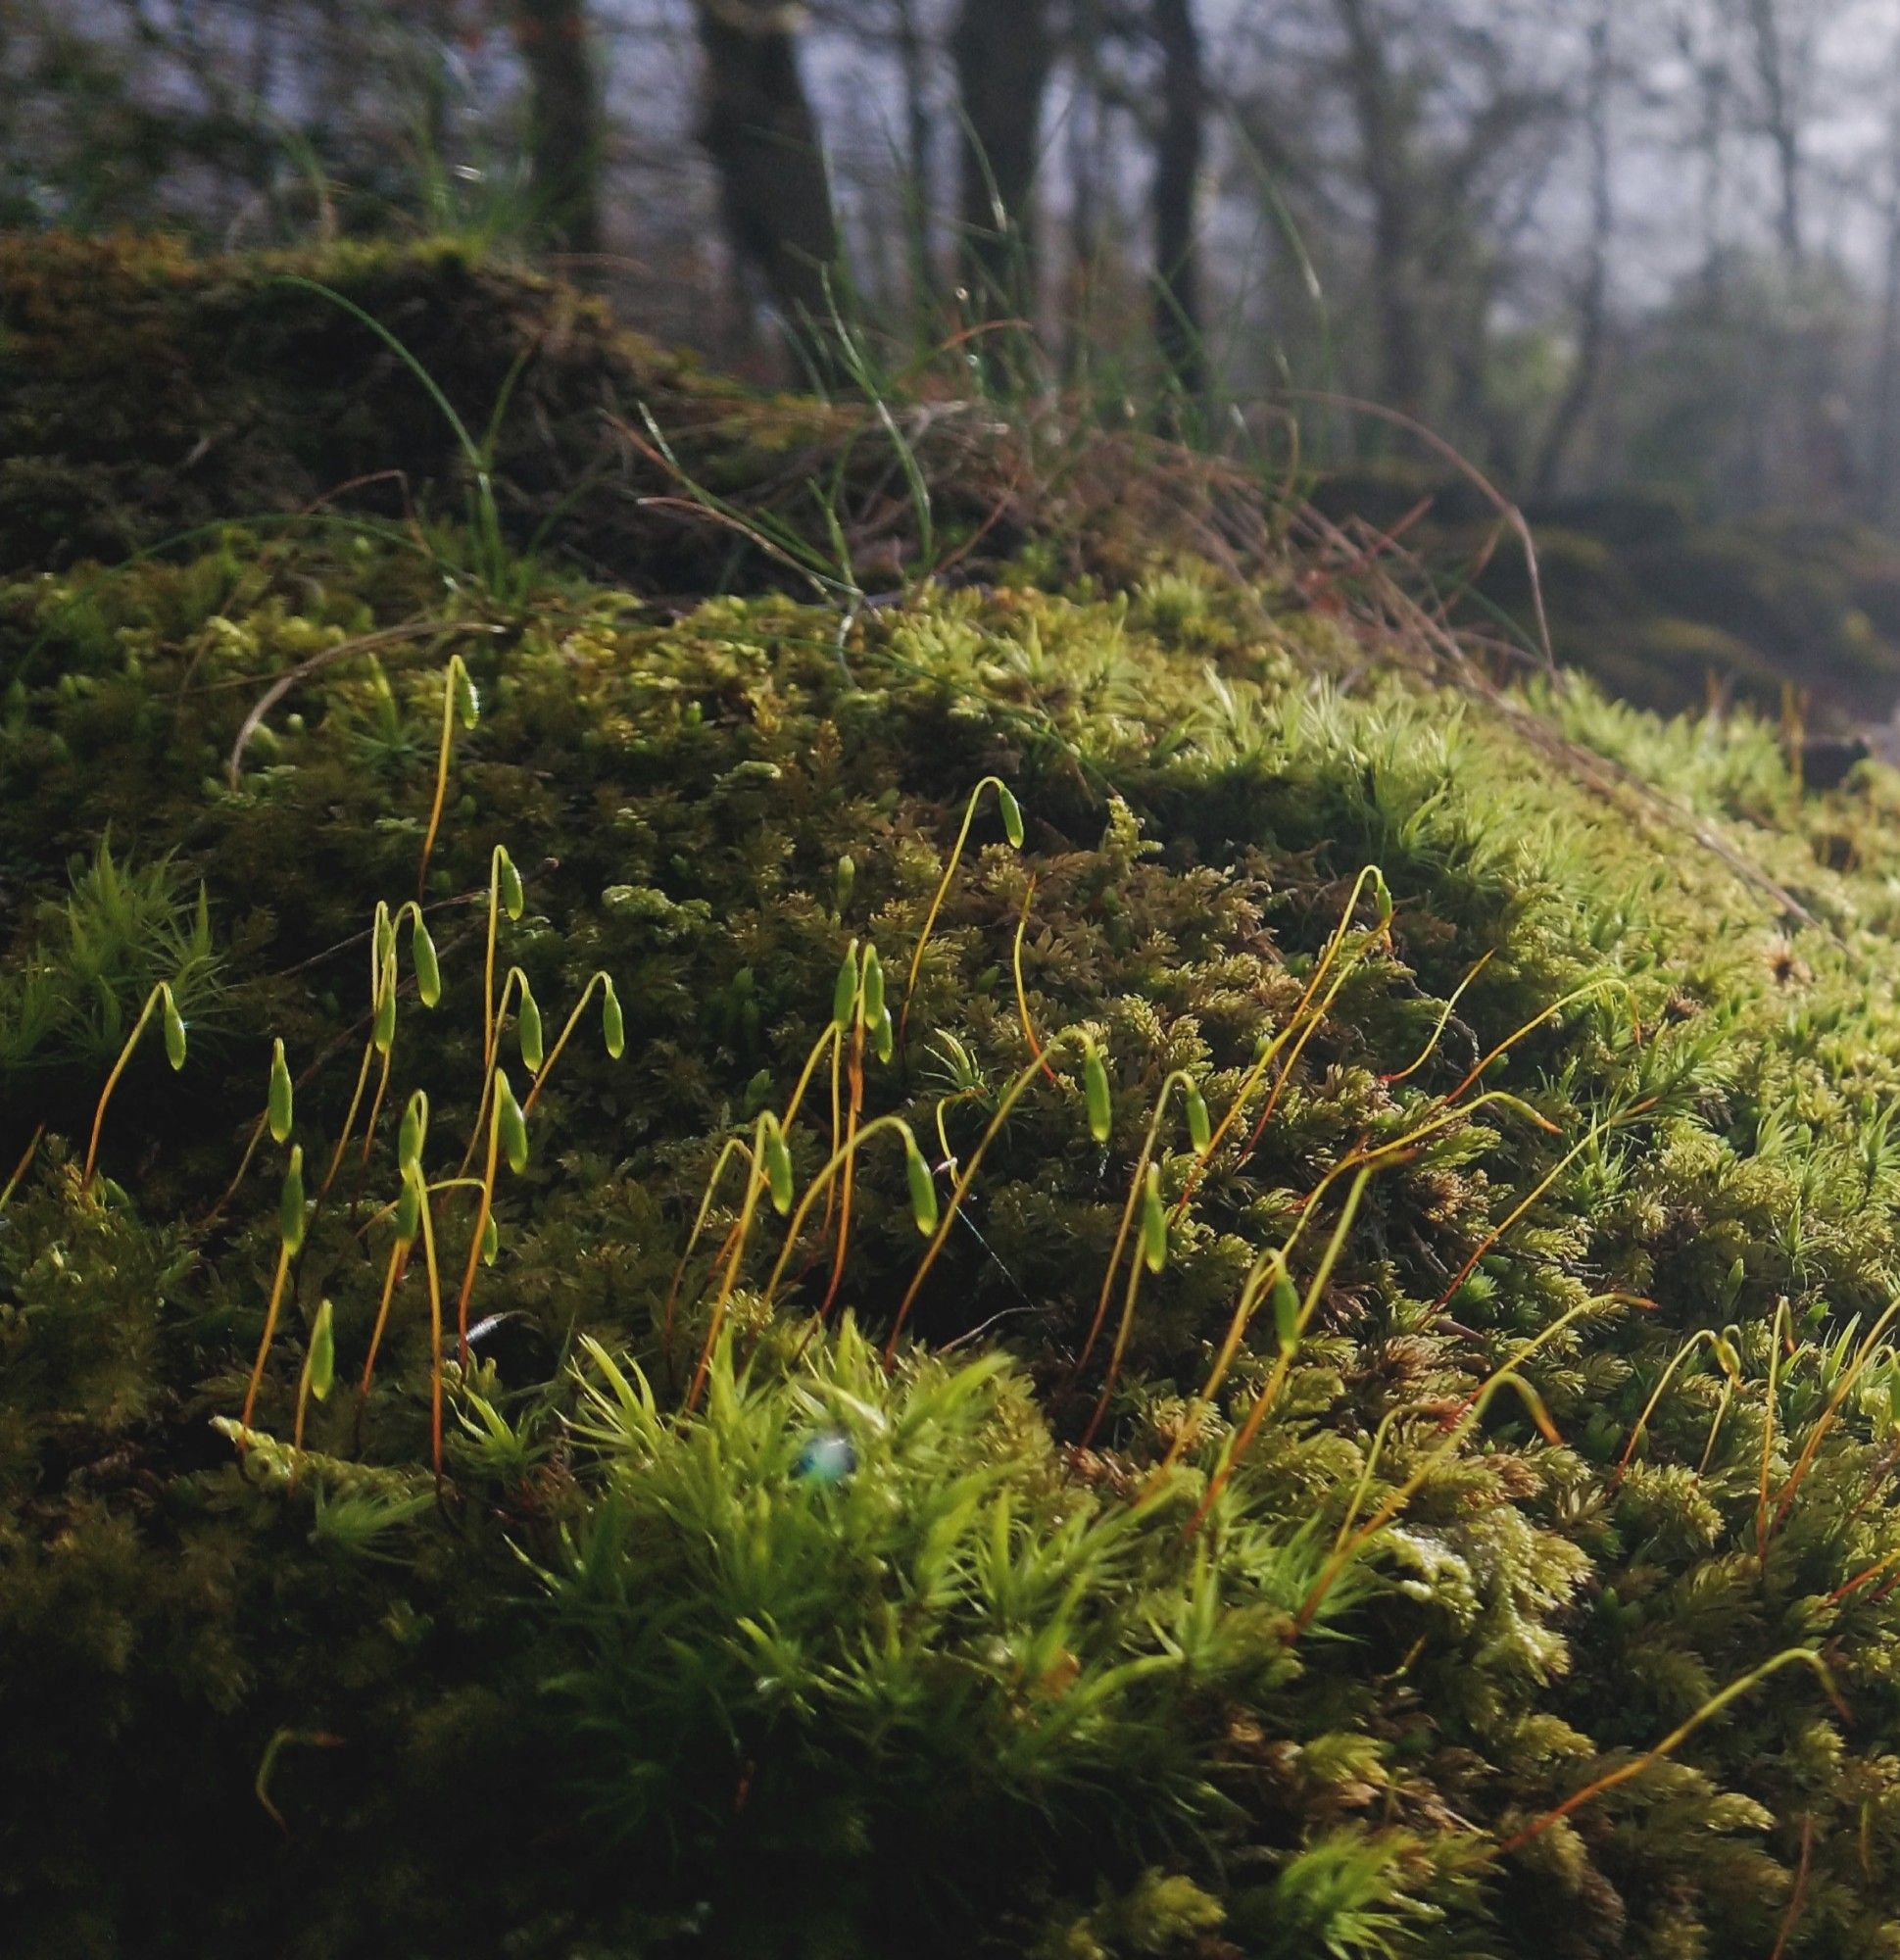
(1512,1375)
(1661,606)
(146,392)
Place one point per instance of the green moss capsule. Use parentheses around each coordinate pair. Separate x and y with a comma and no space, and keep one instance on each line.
(428,972)
(507,882)
(846,879)
(1154,1222)
(512,1124)
(278,1105)
(382,938)
(873,987)
(323,1352)
(528,1027)
(923,1187)
(175,1029)
(409,1206)
(613,1027)
(778,1167)
(1094,1093)
(884,1036)
(290,1203)
(1012,815)
(491,1240)
(843,993)
(383,1033)
(1286,1308)
(1199,1130)
(414,1131)
(467,700)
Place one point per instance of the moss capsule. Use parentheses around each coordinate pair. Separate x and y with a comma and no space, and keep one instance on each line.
(1095,1091)
(1154,1222)
(323,1352)
(428,972)
(923,1187)
(414,1131)
(873,987)
(290,1203)
(1012,815)
(175,1029)
(1199,1130)
(409,1206)
(613,1027)
(507,882)
(383,1033)
(279,1102)
(512,1124)
(778,1167)
(528,1028)
(844,994)
(467,700)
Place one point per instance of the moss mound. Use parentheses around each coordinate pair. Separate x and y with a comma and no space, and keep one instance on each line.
(146,392)
(1388,1426)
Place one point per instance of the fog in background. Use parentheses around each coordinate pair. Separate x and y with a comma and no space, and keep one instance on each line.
(1590,242)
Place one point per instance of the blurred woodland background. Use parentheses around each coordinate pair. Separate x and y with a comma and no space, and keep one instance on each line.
(1596,245)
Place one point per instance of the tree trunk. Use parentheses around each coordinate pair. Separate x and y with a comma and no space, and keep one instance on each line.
(774,191)
(1384,151)
(1592,308)
(1179,327)
(564,122)
(1886,461)
(1003,51)
(913,65)
(1778,114)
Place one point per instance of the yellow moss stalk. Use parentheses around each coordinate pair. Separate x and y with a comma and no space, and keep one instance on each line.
(159,1000)
(1012,824)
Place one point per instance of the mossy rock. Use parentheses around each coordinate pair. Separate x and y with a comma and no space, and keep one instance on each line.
(1145,1604)
(146,392)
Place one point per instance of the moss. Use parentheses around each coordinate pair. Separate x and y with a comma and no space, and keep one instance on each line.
(258,396)
(791,1656)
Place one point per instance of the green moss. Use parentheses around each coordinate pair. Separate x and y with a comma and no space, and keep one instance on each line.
(804,1658)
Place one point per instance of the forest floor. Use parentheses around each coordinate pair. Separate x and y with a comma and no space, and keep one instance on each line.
(986,1211)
